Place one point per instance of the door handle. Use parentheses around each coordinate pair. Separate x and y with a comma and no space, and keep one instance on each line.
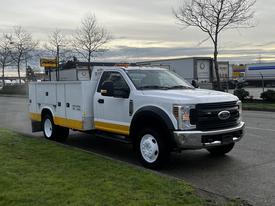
(100,101)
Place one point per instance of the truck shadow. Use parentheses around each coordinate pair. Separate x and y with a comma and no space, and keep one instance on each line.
(102,146)
(188,161)
(198,162)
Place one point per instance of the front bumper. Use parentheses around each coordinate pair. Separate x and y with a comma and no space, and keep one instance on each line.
(206,139)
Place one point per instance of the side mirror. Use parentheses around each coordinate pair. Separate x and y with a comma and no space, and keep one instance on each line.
(195,84)
(122,93)
(107,89)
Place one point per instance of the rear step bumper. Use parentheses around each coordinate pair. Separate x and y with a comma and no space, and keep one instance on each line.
(206,139)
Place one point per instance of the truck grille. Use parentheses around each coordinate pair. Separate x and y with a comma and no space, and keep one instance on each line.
(205,116)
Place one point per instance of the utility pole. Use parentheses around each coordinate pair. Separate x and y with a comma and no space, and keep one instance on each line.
(57,62)
(260,58)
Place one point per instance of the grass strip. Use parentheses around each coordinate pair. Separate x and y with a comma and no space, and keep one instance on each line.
(260,106)
(40,172)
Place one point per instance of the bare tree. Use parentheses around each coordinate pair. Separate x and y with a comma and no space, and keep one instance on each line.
(89,39)
(215,16)
(23,46)
(57,39)
(5,53)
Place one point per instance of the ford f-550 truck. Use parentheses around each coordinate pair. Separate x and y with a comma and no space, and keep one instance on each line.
(153,108)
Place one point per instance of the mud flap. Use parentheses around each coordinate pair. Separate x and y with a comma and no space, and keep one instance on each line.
(36,126)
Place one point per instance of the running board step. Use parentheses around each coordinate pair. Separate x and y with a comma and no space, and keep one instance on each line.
(114,137)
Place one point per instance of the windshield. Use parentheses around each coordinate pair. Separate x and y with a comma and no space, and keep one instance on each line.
(157,79)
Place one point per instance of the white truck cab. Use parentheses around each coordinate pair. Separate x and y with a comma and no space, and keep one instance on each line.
(153,108)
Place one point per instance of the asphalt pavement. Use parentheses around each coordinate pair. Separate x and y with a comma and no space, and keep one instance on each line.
(247,172)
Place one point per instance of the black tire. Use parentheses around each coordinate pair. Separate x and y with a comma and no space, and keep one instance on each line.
(155,137)
(221,150)
(52,131)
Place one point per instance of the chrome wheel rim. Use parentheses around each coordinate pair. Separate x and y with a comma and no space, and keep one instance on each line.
(149,148)
(48,128)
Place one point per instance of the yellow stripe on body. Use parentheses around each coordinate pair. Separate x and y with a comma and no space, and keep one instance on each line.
(35,117)
(115,128)
(69,123)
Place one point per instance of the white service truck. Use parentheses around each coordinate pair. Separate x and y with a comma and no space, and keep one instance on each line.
(153,108)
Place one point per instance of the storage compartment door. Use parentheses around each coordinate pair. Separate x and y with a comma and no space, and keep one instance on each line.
(73,101)
(60,99)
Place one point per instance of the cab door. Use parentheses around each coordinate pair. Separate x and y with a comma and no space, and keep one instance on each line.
(111,110)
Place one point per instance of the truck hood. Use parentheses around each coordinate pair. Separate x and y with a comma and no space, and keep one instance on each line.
(191,96)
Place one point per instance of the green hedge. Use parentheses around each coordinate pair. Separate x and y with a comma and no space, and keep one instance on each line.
(242,94)
(268,95)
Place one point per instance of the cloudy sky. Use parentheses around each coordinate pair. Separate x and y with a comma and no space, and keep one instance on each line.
(143,29)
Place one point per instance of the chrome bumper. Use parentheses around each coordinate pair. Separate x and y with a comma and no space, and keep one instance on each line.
(193,139)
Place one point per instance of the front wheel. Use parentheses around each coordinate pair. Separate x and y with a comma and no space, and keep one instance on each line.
(151,148)
(221,150)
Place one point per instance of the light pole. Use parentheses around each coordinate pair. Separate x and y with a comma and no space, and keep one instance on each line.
(262,76)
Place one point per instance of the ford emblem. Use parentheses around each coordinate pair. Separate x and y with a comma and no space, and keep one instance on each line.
(224,115)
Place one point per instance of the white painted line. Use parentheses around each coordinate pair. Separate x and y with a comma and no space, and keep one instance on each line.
(255,128)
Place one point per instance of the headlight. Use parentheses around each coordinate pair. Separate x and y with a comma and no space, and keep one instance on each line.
(182,115)
(239,103)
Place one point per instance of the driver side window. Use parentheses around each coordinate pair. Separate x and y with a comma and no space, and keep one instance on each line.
(116,78)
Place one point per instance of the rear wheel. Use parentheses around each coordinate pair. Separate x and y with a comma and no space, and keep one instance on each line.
(151,148)
(52,131)
(221,150)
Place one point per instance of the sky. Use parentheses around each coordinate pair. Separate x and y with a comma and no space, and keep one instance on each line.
(143,30)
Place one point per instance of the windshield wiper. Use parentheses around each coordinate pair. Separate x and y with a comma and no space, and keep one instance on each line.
(153,87)
(180,87)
